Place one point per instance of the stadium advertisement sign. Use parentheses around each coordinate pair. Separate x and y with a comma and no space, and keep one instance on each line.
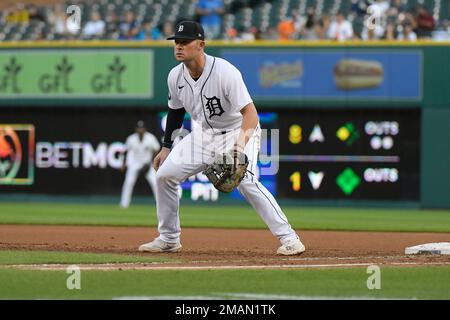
(330,75)
(16,154)
(59,152)
(63,74)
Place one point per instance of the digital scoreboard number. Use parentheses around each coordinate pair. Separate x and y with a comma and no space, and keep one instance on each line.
(352,154)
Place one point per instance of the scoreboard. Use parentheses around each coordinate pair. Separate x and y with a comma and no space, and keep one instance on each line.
(331,154)
(351,154)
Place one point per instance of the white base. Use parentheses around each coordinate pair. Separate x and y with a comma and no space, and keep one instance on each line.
(430,248)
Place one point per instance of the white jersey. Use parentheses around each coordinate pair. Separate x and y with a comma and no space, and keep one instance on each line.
(141,152)
(214,101)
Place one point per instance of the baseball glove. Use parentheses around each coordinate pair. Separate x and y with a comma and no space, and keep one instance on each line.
(227,170)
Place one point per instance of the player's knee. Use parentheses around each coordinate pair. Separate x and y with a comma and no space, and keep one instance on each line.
(164,175)
(246,184)
(129,182)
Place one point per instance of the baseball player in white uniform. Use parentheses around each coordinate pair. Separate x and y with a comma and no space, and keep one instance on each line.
(140,148)
(213,92)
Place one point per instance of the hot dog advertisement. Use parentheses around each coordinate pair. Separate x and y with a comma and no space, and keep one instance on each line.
(352,74)
(305,74)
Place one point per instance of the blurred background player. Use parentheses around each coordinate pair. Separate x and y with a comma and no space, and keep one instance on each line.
(140,148)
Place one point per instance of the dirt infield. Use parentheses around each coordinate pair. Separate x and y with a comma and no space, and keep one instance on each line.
(230,247)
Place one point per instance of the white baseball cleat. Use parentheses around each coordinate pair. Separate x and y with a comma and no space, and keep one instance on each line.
(291,247)
(159,245)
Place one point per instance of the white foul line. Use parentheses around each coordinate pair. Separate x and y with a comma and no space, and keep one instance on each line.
(140,266)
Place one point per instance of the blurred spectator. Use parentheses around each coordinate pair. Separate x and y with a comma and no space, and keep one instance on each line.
(359,8)
(167,29)
(425,22)
(390,33)
(309,23)
(112,25)
(373,32)
(286,29)
(325,21)
(35,15)
(368,34)
(17,14)
(340,29)
(210,12)
(249,34)
(94,28)
(299,22)
(381,6)
(320,30)
(407,18)
(443,32)
(312,29)
(255,32)
(148,32)
(407,33)
(445,26)
(58,19)
(270,34)
(128,28)
(231,34)
(397,6)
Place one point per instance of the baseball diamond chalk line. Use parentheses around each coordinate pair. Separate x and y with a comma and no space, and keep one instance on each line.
(146,266)
(251,296)
(304,259)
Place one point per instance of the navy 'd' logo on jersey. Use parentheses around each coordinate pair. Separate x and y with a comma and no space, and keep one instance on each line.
(214,106)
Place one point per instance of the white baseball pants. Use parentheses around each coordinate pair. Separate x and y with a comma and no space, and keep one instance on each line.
(191,156)
(130,180)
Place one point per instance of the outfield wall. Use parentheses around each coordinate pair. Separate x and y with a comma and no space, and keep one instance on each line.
(307,77)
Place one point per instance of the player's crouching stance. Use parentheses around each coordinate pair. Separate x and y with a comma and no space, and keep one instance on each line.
(213,92)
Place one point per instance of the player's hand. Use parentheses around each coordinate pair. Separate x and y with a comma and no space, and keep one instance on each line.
(123,168)
(160,158)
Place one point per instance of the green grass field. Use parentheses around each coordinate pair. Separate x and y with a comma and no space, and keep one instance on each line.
(396,282)
(11,257)
(360,219)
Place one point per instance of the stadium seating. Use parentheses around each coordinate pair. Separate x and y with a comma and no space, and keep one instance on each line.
(240,14)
